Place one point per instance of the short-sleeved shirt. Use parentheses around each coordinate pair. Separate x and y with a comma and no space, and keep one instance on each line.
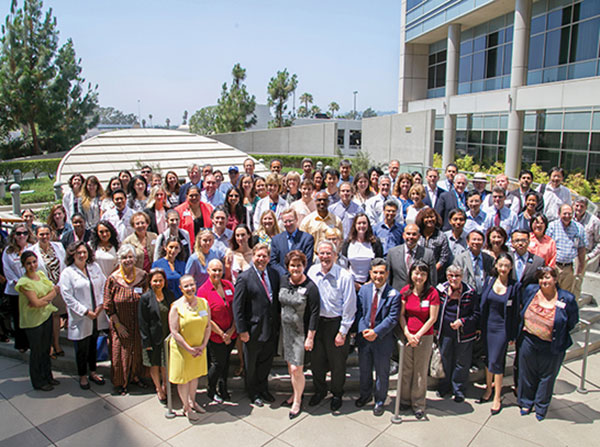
(568,239)
(416,311)
(30,317)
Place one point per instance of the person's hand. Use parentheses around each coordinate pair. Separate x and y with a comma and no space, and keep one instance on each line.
(56,289)
(339,340)
(226,338)
(309,344)
(369,334)
(456,325)
(245,337)
(91,314)
(412,340)
(121,330)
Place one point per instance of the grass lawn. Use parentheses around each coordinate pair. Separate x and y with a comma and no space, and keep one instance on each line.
(43,191)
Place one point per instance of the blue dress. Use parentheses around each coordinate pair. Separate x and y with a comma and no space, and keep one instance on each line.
(496,340)
(172,275)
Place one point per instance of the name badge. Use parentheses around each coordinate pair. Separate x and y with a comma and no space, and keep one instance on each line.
(561,304)
(183,241)
(302,290)
(186,214)
(153,242)
(228,292)
(509,303)
(202,313)
(425,303)
(137,290)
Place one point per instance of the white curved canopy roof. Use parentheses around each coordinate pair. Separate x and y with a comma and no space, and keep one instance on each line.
(169,150)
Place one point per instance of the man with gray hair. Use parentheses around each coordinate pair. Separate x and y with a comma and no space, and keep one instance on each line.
(374,205)
(195,175)
(454,198)
(338,309)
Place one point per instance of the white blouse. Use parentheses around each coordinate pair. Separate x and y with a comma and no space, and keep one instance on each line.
(360,255)
(107,260)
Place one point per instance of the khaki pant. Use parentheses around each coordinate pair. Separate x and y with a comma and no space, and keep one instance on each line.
(566,278)
(414,373)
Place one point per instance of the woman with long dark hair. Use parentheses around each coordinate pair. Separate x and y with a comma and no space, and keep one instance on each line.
(495,241)
(430,226)
(71,199)
(360,248)
(136,192)
(362,191)
(105,244)
(58,221)
(236,212)
(418,314)
(171,186)
(107,203)
(92,194)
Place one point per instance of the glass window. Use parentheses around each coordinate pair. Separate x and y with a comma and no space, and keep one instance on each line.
(490,122)
(503,122)
(528,156)
(461,136)
(538,24)
(475,136)
(534,77)
(439,135)
(584,41)
(464,71)
(441,56)
(566,16)
(530,139)
(461,150)
(478,66)
(595,142)
(438,148)
(466,47)
(574,161)
(536,51)
(502,137)
(431,59)
(507,58)
(552,48)
(588,8)
(440,75)
(594,166)
(479,43)
(549,139)
(340,137)
(552,121)
(490,137)
(439,122)
(575,140)
(474,151)
(577,120)
(547,159)
(477,122)
(554,19)
(492,40)
(494,63)
(461,122)
(431,77)
(489,155)
(596,121)
(509,34)
(530,120)
(582,70)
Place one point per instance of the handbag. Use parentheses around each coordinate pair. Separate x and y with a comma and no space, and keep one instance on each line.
(436,367)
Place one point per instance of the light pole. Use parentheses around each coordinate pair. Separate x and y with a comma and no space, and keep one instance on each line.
(355,92)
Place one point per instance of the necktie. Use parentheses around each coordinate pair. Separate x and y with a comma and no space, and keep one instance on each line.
(121,214)
(374,308)
(264,283)
(409,260)
(497,218)
(478,275)
(520,267)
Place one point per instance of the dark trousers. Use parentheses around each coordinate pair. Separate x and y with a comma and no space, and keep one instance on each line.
(21,341)
(85,354)
(219,363)
(456,358)
(40,339)
(538,369)
(326,356)
(258,359)
(374,354)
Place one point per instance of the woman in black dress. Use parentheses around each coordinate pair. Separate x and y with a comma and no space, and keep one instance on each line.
(300,307)
(499,316)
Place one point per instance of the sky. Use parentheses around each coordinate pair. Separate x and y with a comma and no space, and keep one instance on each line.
(163,57)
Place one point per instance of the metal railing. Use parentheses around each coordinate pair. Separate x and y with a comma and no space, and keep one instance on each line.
(169,414)
(587,326)
(396,418)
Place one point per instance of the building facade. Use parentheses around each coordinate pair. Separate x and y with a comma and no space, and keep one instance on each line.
(510,80)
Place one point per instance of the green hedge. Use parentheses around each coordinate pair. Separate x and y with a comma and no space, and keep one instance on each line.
(295,161)
(46,166)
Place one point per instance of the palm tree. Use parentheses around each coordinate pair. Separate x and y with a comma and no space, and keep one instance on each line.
(306,99)
(168,121)
(334,107)
(314,110)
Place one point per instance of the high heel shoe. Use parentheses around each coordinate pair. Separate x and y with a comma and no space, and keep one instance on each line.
(483,400)
(293,415)
(497,411)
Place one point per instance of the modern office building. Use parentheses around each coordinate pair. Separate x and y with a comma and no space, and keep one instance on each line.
(514,80)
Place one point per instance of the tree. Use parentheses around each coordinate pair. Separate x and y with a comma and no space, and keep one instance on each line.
(333,107)
(143,122)
(41,88)
(150,118)
(235,109)
(302,112)
(279,90)
(202,121)
(110,115)
(369,113)
(168,123)
(314,110)
(185,117)
(306,99)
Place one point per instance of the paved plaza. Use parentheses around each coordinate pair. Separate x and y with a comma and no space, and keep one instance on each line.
(69,416)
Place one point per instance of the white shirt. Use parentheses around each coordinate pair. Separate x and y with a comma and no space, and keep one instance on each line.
(360,255)
(374,209)
(122,225)
(264,204)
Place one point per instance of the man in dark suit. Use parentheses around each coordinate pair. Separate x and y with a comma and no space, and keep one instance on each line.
(516,197)
(476,265)
(378,306)
(291,239)
(397,258)
(195,177)
(526,263)
(256,314)
(452,199)
(432,190)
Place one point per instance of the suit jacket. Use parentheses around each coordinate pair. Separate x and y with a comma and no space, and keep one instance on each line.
(532,264)
(463,260)
(396,262)
(515,195)
(386,317)
(446,203)
(253,312)
(279,248)
(149,320)
(68,237)
(438,192)
(151,213)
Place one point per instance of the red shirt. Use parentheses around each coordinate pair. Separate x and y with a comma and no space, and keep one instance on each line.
(221,310)
(416,311)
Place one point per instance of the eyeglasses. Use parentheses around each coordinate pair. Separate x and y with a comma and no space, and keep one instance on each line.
(21,233)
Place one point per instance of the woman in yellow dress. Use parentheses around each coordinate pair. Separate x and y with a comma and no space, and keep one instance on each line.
(189,321)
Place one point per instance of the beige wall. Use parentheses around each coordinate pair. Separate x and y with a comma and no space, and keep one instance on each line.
(407,137)
(313,139)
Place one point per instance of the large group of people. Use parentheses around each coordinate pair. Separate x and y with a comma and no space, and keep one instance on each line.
(326,261)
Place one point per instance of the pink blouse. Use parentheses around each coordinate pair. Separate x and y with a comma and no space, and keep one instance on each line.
(545,249)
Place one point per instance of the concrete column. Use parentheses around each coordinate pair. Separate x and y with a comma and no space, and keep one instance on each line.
(452,60)
(518,78)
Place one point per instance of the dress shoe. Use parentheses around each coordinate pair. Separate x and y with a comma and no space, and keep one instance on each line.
(97,379)
(419,414)
(257,401)
(459,398)
(336,403)
(441,394)
(293,415)
(84,386)
(267,397)
(540,417)
(378,409)
(362,401)
(223,392)
(483,400)
(212,395)
(497,411)
(46,387)
(525,411)
(316,399)
(53,382)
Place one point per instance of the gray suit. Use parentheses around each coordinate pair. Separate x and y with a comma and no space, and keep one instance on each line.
(465,262)
(396,262)
(532,263)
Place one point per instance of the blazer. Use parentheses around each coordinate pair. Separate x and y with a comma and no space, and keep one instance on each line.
(446,203)
(279,248)
(187,219)
(386,317)
(68,237)
(463,260)
(468,312)
(149,320)
(565,317)
(396,262)
(532,264)
(151,213)
(139,248)
(438,192)
(511,307)
(514,197)
(253,312)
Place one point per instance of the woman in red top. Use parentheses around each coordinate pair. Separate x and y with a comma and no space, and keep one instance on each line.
(419,312)
(219,294)
(194,215)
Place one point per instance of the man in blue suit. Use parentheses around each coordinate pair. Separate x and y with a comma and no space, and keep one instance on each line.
(451,200)
(291,239)
(378,305)
(432,190)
